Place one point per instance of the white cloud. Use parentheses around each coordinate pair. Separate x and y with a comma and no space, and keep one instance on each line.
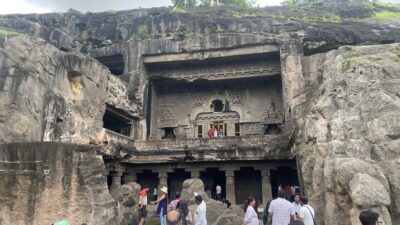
(21,6)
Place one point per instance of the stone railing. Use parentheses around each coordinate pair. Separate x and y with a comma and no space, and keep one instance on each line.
(112,136)
(250,140)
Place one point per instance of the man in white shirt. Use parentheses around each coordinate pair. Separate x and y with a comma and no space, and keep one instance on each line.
(200,215)
(280,211)
(218,191)
(307,214)
(296,206)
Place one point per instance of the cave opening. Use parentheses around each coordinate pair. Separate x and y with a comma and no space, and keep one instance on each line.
(115,122)
(115,63)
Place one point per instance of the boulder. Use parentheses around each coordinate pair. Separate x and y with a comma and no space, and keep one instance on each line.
(127,197)
(217,212)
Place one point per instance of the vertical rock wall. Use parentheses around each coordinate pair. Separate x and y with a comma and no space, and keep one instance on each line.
(349,133)
(42,183)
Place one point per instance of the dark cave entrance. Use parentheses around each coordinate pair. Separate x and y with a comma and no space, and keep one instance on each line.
(213,177)
(115,63)
(117,123)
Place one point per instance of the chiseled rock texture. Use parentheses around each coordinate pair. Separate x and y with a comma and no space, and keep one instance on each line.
(127,197)
(42,183)
(217,212)
(349,133)
(50,95)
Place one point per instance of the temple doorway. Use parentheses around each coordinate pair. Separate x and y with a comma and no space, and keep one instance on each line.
(213,177)
(148,179)
(175,181)
(247,182)
(281,176)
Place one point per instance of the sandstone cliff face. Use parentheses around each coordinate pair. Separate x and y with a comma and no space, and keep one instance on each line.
(50,95)
(46,182)
(349,132)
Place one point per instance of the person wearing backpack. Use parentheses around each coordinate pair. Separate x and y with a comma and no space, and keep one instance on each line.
(307,214)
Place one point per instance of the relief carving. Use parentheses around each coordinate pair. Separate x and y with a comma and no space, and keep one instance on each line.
(235,97)
(198,101)
(224,70)
(252,128)
(167,117)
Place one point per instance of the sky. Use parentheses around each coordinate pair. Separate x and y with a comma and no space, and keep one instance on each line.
(46,6)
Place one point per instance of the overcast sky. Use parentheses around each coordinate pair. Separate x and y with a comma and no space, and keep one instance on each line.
(44,6)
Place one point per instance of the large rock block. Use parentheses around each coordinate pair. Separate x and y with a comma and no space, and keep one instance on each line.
(46,182)
(217,212)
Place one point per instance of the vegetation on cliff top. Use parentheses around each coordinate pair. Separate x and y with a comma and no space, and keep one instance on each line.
(182,4)
(7,32)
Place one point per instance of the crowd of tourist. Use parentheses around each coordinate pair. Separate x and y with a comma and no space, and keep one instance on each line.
(280,211)
(215,133)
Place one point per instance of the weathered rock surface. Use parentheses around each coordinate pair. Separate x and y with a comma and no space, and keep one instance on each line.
(349,132)
(217,212)
(42,183)
(50,95)
(127,197)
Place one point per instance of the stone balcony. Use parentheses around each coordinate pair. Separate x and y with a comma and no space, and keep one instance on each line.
(252,147)
(112,136)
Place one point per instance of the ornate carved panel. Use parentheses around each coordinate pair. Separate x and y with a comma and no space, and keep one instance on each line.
(252,128)
(221,116)
(221,71)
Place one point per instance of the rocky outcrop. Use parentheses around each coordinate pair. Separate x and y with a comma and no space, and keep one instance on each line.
(42,183)
(349,132)
(127,197)
(217,212)
(50,95)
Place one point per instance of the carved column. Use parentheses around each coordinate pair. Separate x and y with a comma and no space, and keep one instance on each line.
(115,180)
(266,184)
(230,185)
(162,180)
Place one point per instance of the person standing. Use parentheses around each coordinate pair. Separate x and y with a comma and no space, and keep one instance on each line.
(369,217)
(174,204)
(215,132)
(162,205)
(265,213)
(251,216)
(221,133)
(142,205)
(187,218)
(280,210)
(201,212)
(155,194)
(210,132)
(307,214)
(218,191)
(296,206)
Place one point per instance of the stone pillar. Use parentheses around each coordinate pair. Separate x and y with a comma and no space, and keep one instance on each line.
(162,180)
(230,185)
(195,174)
(115,180)
(129,177)
(266,185)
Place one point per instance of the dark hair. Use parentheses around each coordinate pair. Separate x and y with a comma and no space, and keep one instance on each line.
(304,200)
(175,221)
(281,194)
(177,194)
(198,199)
(248,201)
(368,217)
(184,208)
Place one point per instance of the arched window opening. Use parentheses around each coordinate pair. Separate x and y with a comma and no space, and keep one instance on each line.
(217,105)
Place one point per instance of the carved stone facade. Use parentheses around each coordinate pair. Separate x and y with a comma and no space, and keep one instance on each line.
(188,105)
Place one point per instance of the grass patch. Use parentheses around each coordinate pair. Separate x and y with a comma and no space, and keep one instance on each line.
(386,15)
(7,32)
(388,5)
